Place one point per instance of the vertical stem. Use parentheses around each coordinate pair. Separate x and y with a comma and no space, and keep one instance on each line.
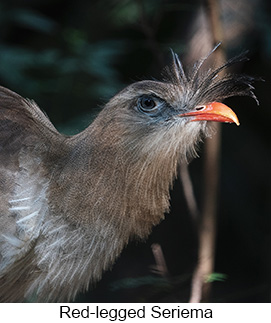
(161,266)
(209,214)
(207,233)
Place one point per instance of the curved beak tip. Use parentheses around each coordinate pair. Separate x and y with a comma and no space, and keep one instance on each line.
(214,111)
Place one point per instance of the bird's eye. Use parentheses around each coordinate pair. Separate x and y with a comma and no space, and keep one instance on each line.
(147,104)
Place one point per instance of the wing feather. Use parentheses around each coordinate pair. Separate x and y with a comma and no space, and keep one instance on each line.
(26,139)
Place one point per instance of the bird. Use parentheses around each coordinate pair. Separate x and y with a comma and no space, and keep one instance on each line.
(70,204)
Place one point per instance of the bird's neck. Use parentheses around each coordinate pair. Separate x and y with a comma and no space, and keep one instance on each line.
(125,187)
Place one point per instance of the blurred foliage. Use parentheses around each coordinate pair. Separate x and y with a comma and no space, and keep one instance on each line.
(72,56)
(51,49)
(62,63)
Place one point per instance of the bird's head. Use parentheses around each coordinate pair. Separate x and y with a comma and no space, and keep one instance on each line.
(131,151)
(173,112)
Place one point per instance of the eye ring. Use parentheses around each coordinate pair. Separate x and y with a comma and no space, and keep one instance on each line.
(147,103)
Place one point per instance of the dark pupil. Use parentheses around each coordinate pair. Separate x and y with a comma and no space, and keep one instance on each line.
(148,103)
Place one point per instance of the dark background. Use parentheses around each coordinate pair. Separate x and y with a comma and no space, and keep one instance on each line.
(72,56)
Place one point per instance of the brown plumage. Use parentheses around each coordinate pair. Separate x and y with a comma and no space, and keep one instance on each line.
(70,204)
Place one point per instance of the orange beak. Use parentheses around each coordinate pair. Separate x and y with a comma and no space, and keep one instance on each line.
(214,111)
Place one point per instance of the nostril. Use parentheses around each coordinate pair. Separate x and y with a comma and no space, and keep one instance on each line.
(200,108)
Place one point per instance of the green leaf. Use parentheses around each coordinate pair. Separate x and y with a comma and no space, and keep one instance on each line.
(216,277)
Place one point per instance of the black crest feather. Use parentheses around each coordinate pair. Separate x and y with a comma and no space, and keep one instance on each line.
(200,85)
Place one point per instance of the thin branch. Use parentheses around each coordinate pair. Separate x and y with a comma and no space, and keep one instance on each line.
(160,267)
(207,233)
